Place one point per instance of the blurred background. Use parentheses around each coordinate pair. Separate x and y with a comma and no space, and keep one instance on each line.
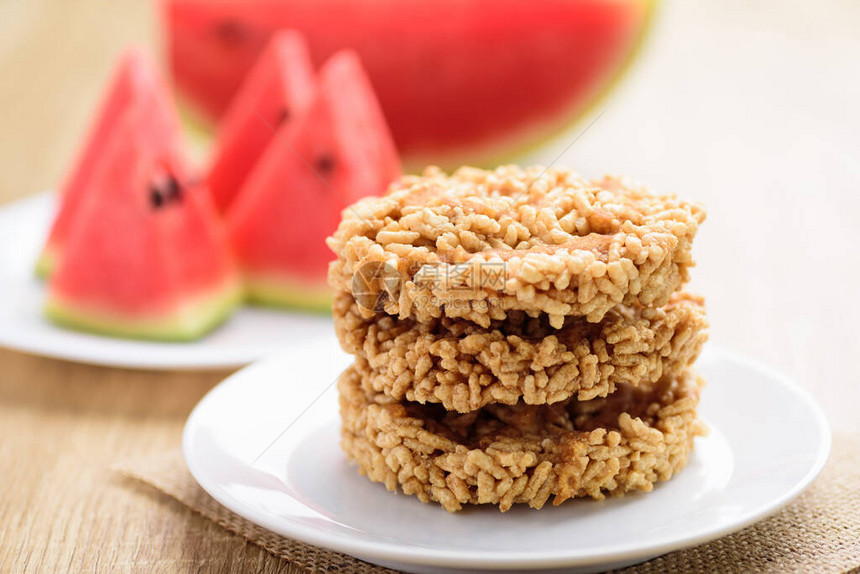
(747,106)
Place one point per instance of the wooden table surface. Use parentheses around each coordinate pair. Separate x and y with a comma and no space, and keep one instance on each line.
(748,107)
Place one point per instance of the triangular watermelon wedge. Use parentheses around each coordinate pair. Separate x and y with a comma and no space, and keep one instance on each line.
(146,255)
(340,151)
(277,90)
(134,78)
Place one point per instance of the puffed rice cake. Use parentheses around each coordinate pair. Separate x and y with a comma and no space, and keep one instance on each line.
(565,246)
(464,367)
(504,455)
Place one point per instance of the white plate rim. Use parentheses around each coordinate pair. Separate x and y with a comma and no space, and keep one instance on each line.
(511,560)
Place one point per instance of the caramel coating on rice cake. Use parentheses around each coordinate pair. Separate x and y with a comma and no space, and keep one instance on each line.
(522,454)
(478,244)
(464,367)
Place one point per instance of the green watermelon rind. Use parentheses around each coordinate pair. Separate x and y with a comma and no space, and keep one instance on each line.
(199,133)
(45,263)
(288,293)
(195,320)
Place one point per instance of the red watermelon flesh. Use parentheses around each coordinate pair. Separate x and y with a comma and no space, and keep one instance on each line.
(275,91)
(146,255)
(338,152)
(134,79)
(459,80)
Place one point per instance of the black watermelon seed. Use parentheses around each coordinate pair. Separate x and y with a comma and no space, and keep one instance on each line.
(283,116)
(325,164)
(173,191)
(155,197)
(231,31)
(164,190)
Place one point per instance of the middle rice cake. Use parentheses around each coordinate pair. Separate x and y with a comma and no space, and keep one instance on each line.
(463,366)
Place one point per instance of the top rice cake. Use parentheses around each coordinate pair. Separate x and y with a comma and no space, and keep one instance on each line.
(477,244)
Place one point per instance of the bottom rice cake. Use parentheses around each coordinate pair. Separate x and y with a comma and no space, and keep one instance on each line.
(507,454)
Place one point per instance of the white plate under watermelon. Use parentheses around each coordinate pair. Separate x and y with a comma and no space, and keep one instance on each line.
(252,333)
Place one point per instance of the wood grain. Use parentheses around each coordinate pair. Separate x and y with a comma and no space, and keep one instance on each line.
(62,508)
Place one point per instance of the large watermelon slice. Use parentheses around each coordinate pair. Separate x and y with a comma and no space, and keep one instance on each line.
(275,92)
(460,81)
(145,255)
(134,78)
(339,151)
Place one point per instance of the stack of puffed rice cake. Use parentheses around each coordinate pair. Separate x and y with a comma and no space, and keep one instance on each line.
(519,334)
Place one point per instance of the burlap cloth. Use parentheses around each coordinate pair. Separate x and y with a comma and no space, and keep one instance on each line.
(818,532)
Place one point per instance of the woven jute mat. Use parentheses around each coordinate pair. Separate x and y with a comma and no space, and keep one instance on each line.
(817,532)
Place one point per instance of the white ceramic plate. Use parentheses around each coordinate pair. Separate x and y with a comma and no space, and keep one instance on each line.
(264,443)
(249,335)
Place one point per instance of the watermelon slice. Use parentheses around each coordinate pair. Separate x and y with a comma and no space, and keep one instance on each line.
(134,78)
(146,255)
(276,90)
(339,151)
(460,81)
